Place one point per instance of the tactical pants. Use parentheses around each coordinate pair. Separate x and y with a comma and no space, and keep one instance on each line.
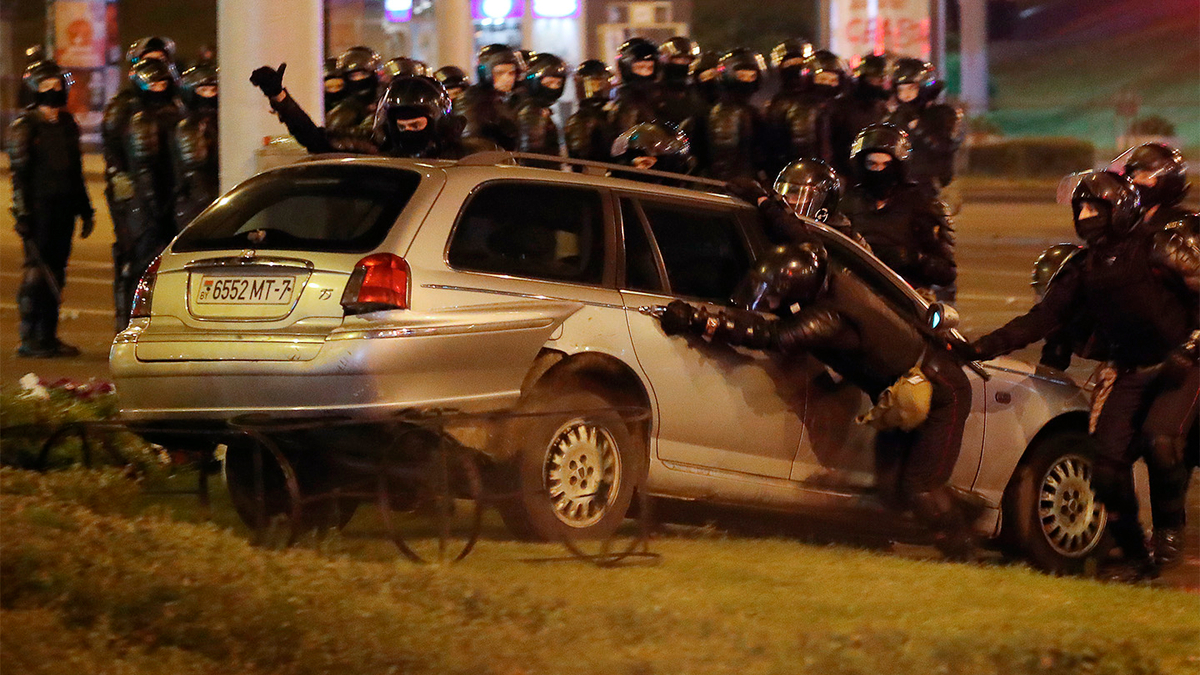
(45,271)
(1170,419)
(1118,446)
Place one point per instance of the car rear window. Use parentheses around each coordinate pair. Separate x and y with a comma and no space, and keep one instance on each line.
(335,208)
(535,230)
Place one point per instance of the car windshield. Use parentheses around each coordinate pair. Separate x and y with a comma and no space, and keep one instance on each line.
(335,208)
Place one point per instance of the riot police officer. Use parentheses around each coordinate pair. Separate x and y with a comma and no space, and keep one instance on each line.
(654,146)
(1159,174)
(408,122)
(1139,292)
(543,86)
(454,80)
(118,188)
(905,228)
(809,188)
(589,134)
(487,104)
(736,136)
(48,195)
(335,85)
(360,70)
(934,128)
(832,314)
(149,142)
(852,111)
(1075,336)
(678,103)
(196,145)
(791,115)
(637,97)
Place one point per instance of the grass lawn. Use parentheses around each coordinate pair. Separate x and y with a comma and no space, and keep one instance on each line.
(95,578)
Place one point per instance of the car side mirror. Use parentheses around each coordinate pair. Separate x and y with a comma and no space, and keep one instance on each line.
(941,317)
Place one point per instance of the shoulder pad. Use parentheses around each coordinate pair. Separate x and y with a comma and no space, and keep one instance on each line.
(1188,225)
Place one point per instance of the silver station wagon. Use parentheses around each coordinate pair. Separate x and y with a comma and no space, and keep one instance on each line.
(366,286)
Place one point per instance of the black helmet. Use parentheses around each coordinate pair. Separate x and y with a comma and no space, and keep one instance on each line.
(669,148)
(706,75)
(677,55)
(148,45)
(451,77)
(593,81)
(545,78)
(39,72)
(1048,265)
(1163,164)
(826,71)
(34,53)
(811,187)
(741,71)
(1113,198)
(633,51)
(923,75)
(360,69)
(885,138)
(154,81)
(793,274)
(789,59)
(194,78)
(873,76)
(494,55)
(402,66)
(889,140)
(409,98)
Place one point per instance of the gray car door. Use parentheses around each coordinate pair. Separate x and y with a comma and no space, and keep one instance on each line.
(716,407)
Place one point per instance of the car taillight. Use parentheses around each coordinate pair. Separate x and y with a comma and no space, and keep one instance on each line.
(379,281)
(144,292)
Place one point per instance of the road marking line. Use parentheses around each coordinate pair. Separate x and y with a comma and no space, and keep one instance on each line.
(64,312)
(70,280)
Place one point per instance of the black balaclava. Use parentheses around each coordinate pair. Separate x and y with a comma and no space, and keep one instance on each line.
(1093,229)
(54,98)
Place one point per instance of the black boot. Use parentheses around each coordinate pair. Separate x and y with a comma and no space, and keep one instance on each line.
(940,510)
(48,338)
(1136,564)
(1167,543)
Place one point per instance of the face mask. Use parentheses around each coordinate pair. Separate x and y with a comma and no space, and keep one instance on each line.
(1093,227)
(879,184)
(872,91)
(53,98)
(1149,195)
(675,72)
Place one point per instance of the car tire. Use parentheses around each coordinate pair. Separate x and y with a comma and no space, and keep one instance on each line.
(1052,516)
(571,471)
(311,475)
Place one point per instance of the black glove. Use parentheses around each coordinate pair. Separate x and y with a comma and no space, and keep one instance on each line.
(87,225)
(747,189)
(677,318)
(269,80)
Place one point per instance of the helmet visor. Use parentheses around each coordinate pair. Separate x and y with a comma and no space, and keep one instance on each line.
(755,294)
(804,200)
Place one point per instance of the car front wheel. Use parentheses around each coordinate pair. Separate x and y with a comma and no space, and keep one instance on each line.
(1051,512)
(572,468)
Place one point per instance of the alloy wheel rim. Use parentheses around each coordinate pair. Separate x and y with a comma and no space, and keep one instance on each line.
(582,473)
(1071,516)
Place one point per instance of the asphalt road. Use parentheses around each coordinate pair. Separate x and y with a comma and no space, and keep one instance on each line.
(997,244)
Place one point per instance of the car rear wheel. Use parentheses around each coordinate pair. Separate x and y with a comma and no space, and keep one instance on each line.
(1051,513)
(572,468)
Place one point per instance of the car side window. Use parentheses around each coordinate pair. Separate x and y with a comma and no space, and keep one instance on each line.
(641,267)
(536,230)
(703,249)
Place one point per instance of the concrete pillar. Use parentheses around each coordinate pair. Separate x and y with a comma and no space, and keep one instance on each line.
(252,33)
(973,54)
(455,34)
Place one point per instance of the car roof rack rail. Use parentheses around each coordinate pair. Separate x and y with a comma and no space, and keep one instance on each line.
(529,159)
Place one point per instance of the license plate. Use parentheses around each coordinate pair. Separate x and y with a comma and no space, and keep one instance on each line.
(249,290)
